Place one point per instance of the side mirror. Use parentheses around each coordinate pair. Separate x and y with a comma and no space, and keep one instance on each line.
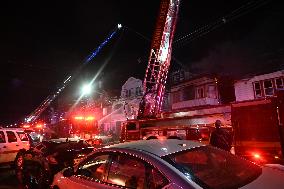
(68,172)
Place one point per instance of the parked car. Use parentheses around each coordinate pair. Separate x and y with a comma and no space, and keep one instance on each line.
(13,142)
(41,162)
(174,164)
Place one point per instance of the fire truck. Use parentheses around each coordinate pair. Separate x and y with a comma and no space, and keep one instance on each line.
(258,129)
(257,126)
(149,123)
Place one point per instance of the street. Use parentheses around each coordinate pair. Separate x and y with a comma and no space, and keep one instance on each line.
(7,178)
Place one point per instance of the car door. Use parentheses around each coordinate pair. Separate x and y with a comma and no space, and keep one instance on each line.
(12,145)
(24,142)
(91,173)
(129,171)
(3,148)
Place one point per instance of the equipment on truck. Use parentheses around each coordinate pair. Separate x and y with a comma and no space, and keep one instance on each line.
(159,60)
(33,116)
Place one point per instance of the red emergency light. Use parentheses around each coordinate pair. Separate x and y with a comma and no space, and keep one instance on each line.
(89,118)
(26,126)
(78,117)
(39,126)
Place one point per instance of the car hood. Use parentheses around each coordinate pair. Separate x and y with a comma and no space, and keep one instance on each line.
(271,177)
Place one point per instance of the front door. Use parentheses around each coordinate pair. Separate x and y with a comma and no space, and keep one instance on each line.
(12,146)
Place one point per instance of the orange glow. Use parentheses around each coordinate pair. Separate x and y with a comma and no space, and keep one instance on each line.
(26,126)
(89,118)
(39,126)
(257,156)
(79,117)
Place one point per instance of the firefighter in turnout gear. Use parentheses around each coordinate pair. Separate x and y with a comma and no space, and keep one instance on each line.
(221,138)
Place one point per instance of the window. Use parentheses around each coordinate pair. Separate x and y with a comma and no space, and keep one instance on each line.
(257,90)
(156,180)
(212,91)
(95,168)
(117,106)
(127,171)
(138,91)
(189,93)
(176,97)
(214,168)
(22,136)
(176,78)
(2,137)
(279,83)
(11,136)
(200,92)
(268,87)
(131,126)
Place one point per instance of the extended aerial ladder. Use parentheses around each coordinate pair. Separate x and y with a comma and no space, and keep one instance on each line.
(159,60)
(32,117)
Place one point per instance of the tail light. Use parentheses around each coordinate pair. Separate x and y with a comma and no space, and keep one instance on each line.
(51,159)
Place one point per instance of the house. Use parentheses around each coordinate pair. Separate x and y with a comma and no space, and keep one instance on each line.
(196,92)
(123,108)
(202,98)
(259,86)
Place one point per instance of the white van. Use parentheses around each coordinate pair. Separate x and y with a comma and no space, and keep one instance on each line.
(12,142)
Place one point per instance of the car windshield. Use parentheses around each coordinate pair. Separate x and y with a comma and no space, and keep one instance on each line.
(214,168)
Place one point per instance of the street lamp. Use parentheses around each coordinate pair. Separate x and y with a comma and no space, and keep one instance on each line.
(86,90)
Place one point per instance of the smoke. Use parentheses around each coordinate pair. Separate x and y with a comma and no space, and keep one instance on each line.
(227,58)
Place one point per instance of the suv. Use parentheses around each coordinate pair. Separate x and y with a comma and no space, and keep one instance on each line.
(13,142)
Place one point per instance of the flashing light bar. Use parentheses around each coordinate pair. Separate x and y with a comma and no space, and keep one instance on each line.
(88,118)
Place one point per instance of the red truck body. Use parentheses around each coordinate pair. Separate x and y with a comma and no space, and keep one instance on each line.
(258,129)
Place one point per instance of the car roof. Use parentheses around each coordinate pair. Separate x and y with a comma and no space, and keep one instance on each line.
(158,147)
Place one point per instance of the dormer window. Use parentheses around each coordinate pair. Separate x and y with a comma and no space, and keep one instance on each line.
(257,90)
(268,87)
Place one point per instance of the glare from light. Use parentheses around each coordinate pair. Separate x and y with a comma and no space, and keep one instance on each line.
(119,26)
(78,117)
(89,118)
(257,156)
(86,90)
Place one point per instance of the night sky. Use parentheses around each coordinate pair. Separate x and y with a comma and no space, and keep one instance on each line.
(42,42)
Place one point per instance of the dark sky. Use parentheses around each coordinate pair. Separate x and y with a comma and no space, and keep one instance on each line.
(42,42)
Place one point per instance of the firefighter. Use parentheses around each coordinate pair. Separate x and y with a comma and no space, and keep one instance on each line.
(221,138)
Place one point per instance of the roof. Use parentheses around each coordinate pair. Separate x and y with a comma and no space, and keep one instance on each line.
(159,147)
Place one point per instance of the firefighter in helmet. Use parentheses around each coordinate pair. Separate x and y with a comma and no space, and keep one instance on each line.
(220,137)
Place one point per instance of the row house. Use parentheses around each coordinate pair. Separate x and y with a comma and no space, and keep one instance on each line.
(259,86)
(201,91)
(123,108)
(200,97)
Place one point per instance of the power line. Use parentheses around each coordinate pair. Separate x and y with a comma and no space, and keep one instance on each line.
(244,9)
